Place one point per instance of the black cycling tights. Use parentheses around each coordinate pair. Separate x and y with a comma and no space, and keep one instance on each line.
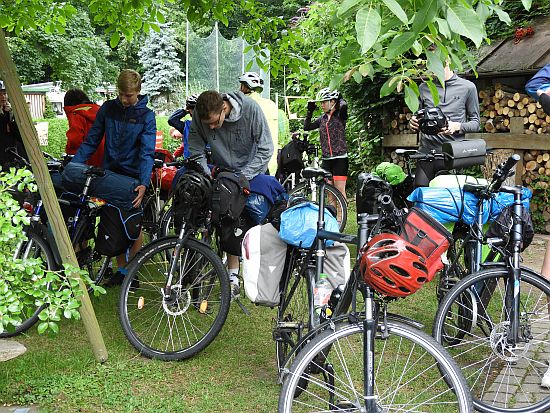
(426,171)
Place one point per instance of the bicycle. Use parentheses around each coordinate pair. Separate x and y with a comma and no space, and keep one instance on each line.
(494,322)
(176,296)
(39,241)
(368,361)
(295,184)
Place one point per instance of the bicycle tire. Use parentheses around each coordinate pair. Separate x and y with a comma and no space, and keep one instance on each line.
(185,324)
(502,378)
(412,373)
(167,223)
(35,247)
(306,190)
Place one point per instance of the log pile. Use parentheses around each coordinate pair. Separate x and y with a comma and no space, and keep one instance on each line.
(497,108)
(536,164)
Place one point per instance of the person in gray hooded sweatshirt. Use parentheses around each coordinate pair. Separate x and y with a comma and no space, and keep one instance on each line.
(459,102)
(238,134)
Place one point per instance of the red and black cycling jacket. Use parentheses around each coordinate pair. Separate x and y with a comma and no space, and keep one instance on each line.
(332,130)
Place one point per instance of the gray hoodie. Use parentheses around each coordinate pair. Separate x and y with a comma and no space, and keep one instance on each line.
(459,102)
(243,142)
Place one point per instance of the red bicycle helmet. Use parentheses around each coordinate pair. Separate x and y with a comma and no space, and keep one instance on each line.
(393,266)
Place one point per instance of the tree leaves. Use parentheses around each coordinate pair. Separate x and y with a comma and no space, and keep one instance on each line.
(396,9)
(425,15)
(367,25)
(526,4)
(463,20)
(400,44)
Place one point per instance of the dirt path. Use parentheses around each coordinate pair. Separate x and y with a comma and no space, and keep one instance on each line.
(534,254)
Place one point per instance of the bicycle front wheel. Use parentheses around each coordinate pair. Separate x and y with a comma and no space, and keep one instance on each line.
(473,322)
(293,313)
(333,197)
(35,247)
(187,321)
(412,373)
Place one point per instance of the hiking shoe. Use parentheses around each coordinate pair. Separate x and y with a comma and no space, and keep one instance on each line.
(545,382)
(116,279)
(134,285)
(234,286)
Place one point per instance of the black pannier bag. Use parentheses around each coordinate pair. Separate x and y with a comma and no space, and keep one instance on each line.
(229,194)
(231,233)
(369,190)
(117,230)
(501,227)
(290,158)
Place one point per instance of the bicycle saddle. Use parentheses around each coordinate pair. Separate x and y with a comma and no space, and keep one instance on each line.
(311,172)
(94,171)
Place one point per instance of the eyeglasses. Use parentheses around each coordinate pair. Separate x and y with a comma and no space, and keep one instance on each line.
(216,123)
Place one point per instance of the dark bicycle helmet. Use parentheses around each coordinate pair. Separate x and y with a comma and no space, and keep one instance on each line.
(393,266)
(252,80)
(191,101)
(191,198)
(327,94)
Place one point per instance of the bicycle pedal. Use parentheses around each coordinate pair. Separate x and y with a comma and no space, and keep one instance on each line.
(288,325)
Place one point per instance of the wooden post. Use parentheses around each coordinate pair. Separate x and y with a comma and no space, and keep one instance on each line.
(43,180)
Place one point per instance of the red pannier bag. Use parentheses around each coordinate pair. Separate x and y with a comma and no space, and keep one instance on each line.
(429,235)
(163,176)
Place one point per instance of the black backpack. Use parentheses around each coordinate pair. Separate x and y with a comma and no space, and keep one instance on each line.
(290,158)
(501,227)
(117,230)
(229,194)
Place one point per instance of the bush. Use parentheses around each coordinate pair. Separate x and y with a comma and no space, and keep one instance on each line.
(57,138)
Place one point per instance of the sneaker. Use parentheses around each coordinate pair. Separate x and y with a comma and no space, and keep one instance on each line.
(545,382)
(235,287)
(116,279)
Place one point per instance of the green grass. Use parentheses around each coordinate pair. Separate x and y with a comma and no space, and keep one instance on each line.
(236,373)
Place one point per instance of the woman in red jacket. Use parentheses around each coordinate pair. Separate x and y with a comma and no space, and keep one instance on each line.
(81,113)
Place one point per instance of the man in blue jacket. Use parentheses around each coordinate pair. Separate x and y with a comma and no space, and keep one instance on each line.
(129,127)
(539,87)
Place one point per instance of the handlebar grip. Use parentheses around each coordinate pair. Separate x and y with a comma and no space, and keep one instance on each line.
(510,162)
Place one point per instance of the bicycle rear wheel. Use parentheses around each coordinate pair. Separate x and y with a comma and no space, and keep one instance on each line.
(182,325)
(333,197)
(412,373)
(503,377)
(38,248)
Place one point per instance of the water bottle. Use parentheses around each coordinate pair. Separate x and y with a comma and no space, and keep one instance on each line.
(321,293)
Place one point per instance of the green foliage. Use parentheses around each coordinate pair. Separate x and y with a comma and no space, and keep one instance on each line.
(541,198)
(521,15)
(49,112)
(24,283)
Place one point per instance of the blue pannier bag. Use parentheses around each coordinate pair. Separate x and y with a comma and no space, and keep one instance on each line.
(453,204)
(299,224)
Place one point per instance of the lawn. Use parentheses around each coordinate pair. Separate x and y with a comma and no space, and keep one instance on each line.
(236,373)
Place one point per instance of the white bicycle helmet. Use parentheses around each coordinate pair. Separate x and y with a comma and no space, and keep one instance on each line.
(252,80)
(327,94)
(191,100)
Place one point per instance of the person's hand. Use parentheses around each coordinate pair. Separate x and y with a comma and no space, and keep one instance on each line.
(311,106)
(140,189)
(540,92)
(451,128)
(7,107)
(413,124)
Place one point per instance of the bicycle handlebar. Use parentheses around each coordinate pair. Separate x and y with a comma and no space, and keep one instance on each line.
(503,171)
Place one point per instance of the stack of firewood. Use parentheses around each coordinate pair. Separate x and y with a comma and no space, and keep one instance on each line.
(498,107)
(399,122)
(536,163)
